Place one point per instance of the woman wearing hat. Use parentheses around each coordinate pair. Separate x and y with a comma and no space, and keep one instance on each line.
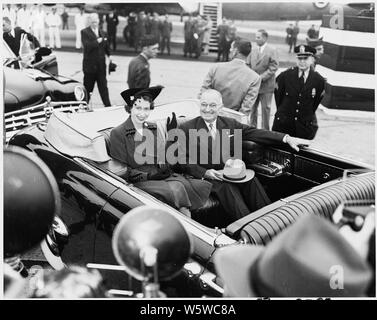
(141,145)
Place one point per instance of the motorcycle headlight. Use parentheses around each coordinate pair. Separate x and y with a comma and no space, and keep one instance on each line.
(79,93)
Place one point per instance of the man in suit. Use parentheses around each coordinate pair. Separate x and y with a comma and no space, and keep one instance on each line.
(112,23)
(222,31)
(298,92)
(141,29)
(238,200)
(13,36)
(264,61)
(188,31)
(237,83)
(96,48)
(139,75)
(166,29)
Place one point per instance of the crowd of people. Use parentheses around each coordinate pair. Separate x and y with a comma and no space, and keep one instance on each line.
(142,24)
(35,20)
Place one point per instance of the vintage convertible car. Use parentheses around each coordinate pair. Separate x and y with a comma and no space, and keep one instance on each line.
(94,196)
(32,86)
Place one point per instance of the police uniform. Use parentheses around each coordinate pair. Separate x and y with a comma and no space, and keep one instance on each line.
(297,99)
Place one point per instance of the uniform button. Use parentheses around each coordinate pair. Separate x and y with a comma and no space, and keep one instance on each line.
(298,102)
(299,94)
(286,93)
(296,110)
(296,118)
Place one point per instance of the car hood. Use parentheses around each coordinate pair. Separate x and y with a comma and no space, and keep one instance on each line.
(28,87)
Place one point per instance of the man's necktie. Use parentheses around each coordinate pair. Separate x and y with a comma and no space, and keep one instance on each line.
(302,80)
(212,131)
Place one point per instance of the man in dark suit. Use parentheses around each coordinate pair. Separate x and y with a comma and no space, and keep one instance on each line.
(222,31)
(112,23)
(96,48)
(139,75)
(188,31)
(298,93)
(166,28)
(238,200)
(13,36)
(264,61)
(140,29)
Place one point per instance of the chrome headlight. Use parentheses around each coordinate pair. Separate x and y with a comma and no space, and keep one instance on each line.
(79,93)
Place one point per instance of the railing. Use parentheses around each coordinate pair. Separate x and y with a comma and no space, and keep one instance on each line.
(17,120)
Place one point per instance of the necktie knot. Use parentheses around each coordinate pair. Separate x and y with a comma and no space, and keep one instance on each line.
(212,130)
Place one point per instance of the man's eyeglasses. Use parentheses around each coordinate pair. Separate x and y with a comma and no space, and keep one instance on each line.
(211,105)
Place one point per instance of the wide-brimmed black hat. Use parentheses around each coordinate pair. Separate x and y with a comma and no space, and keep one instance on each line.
(302,261)
(130,95)
(305,51)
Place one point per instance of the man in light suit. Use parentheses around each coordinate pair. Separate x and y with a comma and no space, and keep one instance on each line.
(238,84)
(264,61)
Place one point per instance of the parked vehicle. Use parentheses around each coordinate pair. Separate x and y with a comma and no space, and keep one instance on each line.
(94,196)
(32,87)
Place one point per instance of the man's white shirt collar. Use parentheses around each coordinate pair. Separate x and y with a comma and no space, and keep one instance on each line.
(13,33)
(95,31)
(261,48)
(306,74)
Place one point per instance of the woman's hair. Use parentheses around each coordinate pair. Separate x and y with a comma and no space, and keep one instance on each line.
(144,97)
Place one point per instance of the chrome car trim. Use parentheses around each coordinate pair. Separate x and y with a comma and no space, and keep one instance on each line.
(208,279)
(206,234)
(17,120)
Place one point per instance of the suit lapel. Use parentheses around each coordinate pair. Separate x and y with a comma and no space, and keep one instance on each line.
(92,32)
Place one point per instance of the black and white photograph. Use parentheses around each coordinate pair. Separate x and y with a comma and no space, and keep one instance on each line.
(192,150)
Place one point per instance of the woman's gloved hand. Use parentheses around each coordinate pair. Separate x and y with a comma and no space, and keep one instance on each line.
(162,171)
(171,124)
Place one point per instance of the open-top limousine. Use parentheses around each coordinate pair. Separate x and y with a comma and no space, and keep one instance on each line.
(95,197)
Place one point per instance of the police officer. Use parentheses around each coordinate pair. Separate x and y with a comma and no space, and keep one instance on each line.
(298,92)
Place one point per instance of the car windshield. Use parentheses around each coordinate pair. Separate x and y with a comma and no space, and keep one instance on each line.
(26,53)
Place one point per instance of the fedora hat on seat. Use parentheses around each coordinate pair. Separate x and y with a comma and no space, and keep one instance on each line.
(235,171)
(308,259)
